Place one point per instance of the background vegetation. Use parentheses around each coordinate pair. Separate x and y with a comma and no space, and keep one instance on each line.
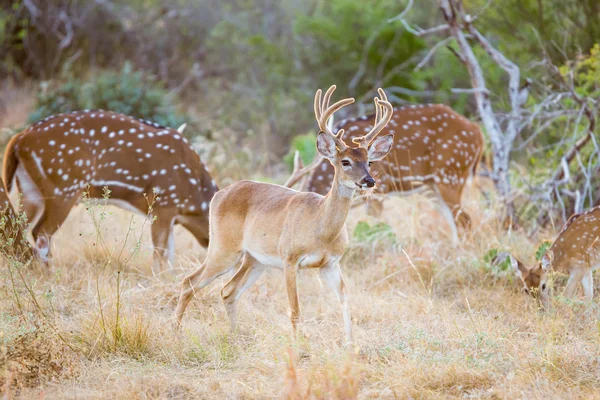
(432,321)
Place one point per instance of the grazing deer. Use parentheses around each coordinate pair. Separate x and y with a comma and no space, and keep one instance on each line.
(55,161)
(12,238)
(434,147)
(267,225)
(576,251)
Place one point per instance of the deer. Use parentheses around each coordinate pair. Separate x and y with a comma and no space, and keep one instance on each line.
(12,231)
(434,148)
(147,168)
(575,251)
(262,225)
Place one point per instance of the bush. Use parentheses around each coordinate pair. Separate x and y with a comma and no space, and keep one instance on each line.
(306,145)
(127,91)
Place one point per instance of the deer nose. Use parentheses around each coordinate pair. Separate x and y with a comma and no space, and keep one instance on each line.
(370,182)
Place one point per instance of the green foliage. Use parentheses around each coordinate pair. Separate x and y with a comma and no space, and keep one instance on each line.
(13,33)
(127,91)
(586,73)
(347,35)
(498,267)
(306,145)
(380,232)
(541,250)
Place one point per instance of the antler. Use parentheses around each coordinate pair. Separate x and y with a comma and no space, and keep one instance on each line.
(383,114)
(323,111)
(299,170)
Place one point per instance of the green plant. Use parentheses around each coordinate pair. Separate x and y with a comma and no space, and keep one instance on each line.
(306,145)
(363,232)
(126,91)
(541,250)
(496,267)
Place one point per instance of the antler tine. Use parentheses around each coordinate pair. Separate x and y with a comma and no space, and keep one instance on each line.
(382,94)
(317,105)
(327,98)
(300,171)
(330,111)
(383,115)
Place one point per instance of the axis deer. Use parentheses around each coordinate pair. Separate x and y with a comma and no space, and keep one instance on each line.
(56,160)
(266,225)
(576,252)
(12,236)
(434,147)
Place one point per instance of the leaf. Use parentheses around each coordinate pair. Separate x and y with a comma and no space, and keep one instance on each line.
(542,250)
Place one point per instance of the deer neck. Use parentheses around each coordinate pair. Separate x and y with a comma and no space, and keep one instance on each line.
(335,208)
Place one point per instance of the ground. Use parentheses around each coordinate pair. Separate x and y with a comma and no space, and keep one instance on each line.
(430,320)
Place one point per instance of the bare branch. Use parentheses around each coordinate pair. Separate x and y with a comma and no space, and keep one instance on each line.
(470,91)
(431,52)
(416,31)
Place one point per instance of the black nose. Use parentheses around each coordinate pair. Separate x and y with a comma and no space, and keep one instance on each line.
(369,181)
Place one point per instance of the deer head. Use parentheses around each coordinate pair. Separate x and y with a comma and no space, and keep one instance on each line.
(352,164)
(534,278)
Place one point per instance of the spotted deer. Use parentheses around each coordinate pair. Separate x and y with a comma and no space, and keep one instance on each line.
(12,235)
(576,252)
(434,148)
(147,168)
(271,226)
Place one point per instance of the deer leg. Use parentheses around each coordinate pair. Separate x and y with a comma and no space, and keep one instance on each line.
(588,286)
(162,240)
(292,292)
(30,202)
(449,199)
(214,266)
(574,278)
(244,278)
(447,213)
(333,276)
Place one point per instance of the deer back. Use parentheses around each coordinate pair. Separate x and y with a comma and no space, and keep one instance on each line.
(578,242)
(68,153)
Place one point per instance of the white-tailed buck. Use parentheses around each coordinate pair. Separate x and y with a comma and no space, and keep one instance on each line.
(576,252)
(264,225)
(434,147)
(55,161)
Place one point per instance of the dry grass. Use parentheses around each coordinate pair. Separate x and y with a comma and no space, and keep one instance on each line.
(443,327)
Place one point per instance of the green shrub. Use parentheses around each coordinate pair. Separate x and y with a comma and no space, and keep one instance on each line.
(380,232)
(306,145)
(496,267)
(127,91)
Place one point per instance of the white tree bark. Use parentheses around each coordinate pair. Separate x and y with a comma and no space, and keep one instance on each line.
(502,140)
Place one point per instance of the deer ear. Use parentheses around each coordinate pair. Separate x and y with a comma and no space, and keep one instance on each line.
(326,146)
(380,147)
(547,260)
(519,268)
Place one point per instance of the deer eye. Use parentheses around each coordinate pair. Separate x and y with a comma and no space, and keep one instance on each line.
(345,163)
(543,286)
(526,290)
(370,163)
